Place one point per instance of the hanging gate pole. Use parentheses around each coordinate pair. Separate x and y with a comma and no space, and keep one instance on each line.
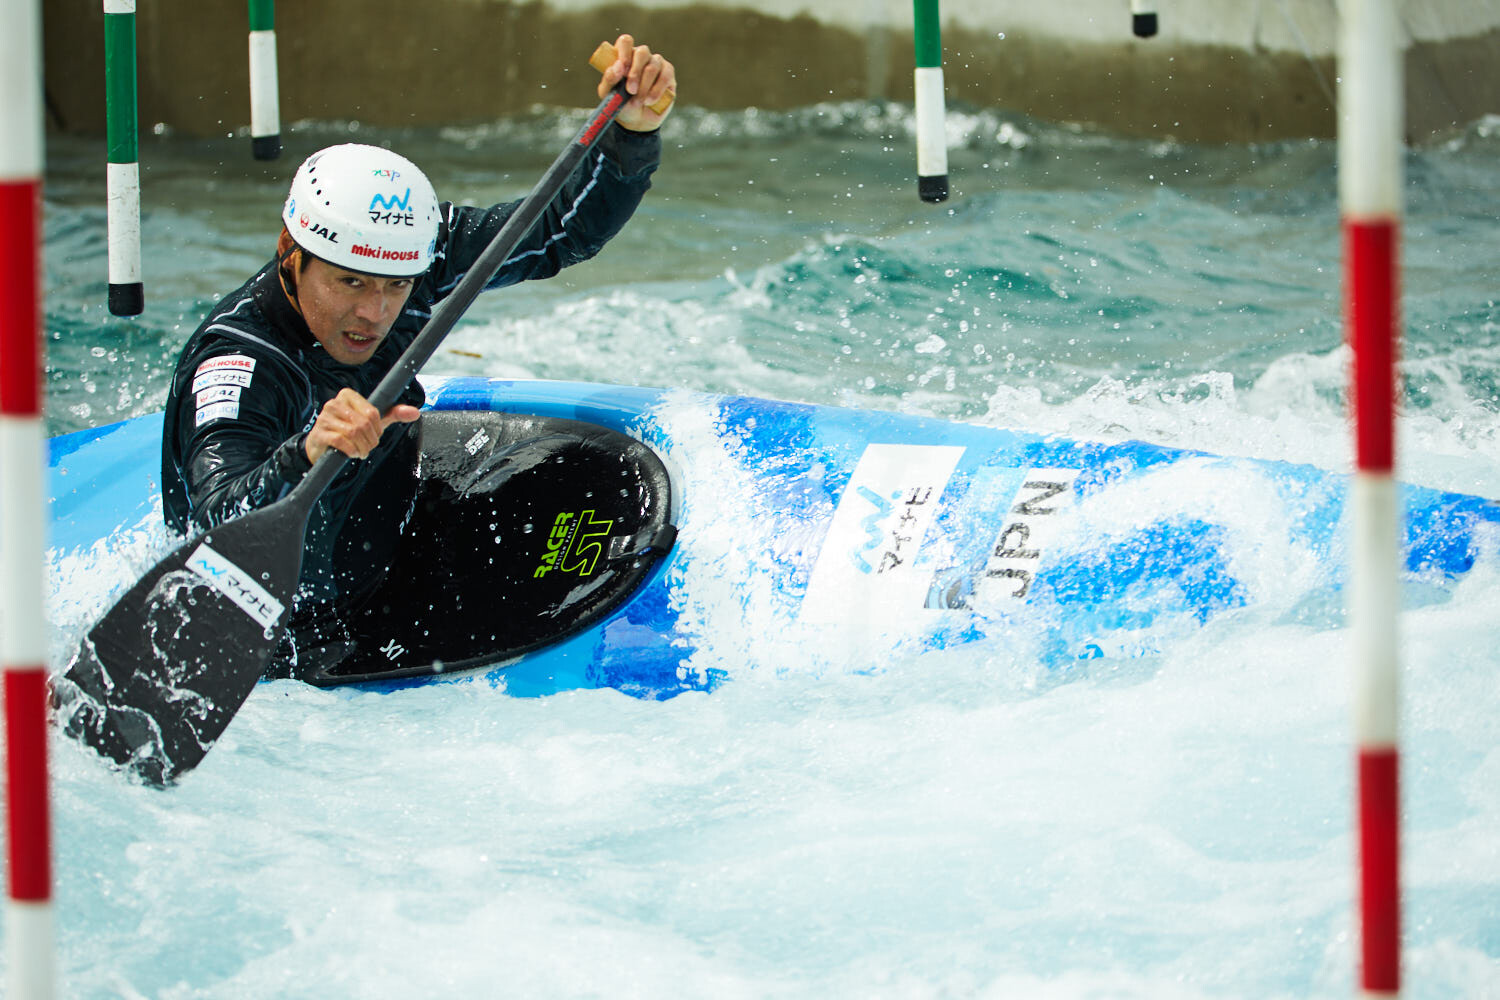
(932,137)
(1143,18)
(123,173)
(265,97)
(23,641)
(1370,177)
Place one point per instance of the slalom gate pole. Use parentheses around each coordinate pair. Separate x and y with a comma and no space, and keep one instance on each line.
(1370,128)
(265,97)
(1143,18)
(23,642)
(932,137)
(123,173)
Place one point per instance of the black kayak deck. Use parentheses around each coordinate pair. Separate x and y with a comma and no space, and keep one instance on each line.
(526,531)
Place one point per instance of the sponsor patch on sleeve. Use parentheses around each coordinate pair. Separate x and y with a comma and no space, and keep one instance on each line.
(217,394)
(217,385)
(228,362)
(221,376)
(217,411)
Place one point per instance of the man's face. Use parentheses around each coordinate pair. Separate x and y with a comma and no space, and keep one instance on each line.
(349,313)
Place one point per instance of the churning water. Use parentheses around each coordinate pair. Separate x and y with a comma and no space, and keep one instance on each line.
(955,824)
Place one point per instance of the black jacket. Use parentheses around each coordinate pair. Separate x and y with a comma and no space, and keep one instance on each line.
(251,380)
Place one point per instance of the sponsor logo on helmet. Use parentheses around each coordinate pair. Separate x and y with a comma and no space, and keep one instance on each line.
(381,253)
(389,175)
(393,210)
(317,229)
(381,201)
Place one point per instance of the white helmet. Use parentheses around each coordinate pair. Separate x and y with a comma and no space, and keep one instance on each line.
(364,208)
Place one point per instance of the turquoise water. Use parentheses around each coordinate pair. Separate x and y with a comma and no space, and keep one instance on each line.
(954,824)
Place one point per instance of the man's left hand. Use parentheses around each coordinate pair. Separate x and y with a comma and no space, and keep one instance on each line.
(647,77)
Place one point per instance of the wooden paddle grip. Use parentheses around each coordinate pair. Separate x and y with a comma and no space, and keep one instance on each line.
(604,57)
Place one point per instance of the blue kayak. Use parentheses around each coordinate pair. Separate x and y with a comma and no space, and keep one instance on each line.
(862,534)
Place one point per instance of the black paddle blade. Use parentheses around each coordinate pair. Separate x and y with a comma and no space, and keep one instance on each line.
(157,680)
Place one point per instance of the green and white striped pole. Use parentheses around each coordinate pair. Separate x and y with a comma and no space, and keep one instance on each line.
(265,97)
(932,141)
(123,174)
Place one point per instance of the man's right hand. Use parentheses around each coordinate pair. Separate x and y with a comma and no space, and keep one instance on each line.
(348,423)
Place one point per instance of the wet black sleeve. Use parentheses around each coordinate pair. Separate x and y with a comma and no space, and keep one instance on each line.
(242,453)
(592,207)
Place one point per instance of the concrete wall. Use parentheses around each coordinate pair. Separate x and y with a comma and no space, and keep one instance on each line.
(1219,70)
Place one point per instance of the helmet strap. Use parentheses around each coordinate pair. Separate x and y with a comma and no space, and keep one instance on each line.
(288,262)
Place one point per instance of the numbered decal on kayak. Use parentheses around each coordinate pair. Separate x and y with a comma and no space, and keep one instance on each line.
(868,565)
(574,544)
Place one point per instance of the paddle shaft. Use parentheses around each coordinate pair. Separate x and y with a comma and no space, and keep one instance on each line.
(448,312)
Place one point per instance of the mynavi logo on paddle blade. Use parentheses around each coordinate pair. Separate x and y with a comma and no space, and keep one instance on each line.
(235,584)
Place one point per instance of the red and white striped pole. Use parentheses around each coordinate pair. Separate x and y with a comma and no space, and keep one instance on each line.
(23,646)
(1371,114)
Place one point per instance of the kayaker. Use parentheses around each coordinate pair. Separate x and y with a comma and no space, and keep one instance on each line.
(280,369)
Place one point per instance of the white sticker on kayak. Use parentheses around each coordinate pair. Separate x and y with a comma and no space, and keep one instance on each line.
(867,568)
(235,584)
